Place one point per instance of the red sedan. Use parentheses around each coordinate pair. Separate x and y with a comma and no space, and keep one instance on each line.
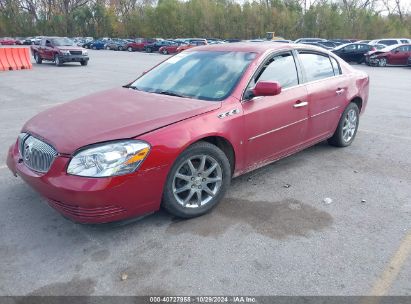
(138,44)
(177,135)
(7,41)
(397,54)
(169,49)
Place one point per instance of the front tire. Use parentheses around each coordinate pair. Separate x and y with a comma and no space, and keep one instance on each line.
(130,49)
(165,52)
(84,62)
(197,181)
(37,58)
(382,62)
(347,127)
(57,60)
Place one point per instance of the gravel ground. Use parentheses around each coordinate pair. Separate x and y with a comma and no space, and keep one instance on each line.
(263,239)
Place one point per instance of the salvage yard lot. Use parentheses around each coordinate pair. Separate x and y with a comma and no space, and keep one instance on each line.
(273,234)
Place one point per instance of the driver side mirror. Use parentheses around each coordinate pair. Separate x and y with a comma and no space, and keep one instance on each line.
(266,88)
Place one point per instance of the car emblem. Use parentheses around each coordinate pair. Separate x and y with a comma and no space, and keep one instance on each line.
(27,151)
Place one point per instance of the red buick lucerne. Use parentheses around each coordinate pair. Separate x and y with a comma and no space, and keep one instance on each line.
(177,135)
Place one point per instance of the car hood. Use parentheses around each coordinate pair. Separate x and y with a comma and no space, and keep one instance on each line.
(69,48)
(376,53)
(109,115)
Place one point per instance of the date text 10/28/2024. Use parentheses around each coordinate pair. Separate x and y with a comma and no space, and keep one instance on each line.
(203,299)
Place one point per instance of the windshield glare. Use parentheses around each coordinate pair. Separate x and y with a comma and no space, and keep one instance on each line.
(198,74)
(62,42)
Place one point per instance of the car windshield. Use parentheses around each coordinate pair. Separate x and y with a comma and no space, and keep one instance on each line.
(202,75)
(62,42)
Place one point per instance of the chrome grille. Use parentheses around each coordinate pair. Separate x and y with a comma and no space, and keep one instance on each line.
(76,52)
(36,154)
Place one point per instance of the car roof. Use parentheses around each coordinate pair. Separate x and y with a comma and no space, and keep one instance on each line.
(259,48)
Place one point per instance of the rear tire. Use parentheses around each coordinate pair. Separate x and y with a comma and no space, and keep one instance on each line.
(191,191)
(347,127)
(37,58)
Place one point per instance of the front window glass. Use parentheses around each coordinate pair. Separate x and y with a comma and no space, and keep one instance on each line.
(201,75)
(280,68)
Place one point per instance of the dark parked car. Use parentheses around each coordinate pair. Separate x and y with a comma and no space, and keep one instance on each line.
(98,44)
(154,47)
(353,52)
(393,55)
(328,45)
(409,61)
(176,136)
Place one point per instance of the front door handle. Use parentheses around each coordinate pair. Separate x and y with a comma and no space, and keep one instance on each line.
(300,104)
(339,91)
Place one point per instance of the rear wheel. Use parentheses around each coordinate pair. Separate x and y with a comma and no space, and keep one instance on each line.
(197,181)
(37,58)
(347,127)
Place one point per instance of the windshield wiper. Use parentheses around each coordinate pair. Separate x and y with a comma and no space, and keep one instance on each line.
(169,93)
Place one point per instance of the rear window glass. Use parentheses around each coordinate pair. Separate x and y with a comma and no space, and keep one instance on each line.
(316,66)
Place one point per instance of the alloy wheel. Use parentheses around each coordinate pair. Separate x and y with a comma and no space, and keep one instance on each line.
(197,181)
(350,125)
(382,62)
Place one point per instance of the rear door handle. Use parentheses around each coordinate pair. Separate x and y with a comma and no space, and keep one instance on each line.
(300,104)
(339,91)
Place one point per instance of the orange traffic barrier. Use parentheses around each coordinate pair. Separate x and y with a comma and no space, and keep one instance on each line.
(14,59)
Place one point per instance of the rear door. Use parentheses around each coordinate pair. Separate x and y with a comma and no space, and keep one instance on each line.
(327,92)
(275,125)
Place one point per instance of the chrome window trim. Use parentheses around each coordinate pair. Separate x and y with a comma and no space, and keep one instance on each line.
(297,62)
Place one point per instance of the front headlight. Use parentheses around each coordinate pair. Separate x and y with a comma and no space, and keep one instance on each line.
(85,53)
(65,52)
(110,159)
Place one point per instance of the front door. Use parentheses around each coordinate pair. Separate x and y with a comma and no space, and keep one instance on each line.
(275,125)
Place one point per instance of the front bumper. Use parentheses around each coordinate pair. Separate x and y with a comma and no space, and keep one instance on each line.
(93,200)
(73,58)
